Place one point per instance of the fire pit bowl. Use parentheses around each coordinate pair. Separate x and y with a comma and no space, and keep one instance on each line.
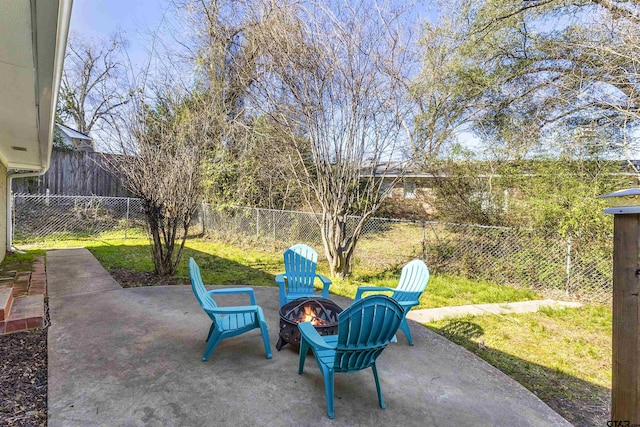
(321,312)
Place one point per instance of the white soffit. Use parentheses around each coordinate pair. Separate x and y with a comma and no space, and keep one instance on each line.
(18,113)
(29,80)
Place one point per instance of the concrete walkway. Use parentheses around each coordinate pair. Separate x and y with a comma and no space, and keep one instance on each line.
(433,314)
(132,357)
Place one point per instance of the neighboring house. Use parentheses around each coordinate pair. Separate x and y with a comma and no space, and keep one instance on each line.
(412,193)
(409,191)
(74,139)
(33,39)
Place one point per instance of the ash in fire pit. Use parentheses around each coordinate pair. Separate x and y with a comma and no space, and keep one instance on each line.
(321,312)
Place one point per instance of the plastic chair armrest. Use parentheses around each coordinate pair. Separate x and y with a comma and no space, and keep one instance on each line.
(411,299)
(312,336)
(363,289)
(326,282)
(233,310)
(245,290)
(280,278)
(408,305)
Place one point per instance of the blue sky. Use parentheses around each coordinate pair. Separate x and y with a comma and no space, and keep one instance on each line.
(98,19)
(137,19)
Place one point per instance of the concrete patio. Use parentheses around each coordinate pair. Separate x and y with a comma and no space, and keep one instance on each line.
(132,357)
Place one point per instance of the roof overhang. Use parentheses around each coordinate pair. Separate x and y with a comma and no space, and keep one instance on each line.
(33,39)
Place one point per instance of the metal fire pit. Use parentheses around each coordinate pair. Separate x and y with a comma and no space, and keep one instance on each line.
(322,313)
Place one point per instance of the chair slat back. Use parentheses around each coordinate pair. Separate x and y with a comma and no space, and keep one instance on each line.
(300,263)
(365,328)
(413,281)
(200,291)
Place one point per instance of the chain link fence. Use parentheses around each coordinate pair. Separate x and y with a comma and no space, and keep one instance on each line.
(576,267)
(62,217)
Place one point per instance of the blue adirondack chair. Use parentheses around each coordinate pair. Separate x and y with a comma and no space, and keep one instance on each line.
(227,322)
(300,263)
(413,281)
(365,328)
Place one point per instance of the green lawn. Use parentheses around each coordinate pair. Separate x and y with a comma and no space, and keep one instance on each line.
(442,291)
(13,262)
(564,356)
(20,262)
(223,264)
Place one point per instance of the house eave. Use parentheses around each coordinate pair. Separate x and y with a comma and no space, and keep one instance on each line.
(33,37)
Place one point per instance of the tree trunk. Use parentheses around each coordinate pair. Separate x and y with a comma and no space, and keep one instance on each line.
(341,264)
(162,241)
(338,248)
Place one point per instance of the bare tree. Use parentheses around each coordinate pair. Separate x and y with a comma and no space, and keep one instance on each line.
(163,146)
(93,82)
(334,78)
(177,125)
(222,54)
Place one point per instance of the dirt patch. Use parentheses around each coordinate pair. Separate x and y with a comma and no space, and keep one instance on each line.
(581,412)
(133,279)
(23,378)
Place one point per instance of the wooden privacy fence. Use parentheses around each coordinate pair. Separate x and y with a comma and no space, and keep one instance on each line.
(75,173)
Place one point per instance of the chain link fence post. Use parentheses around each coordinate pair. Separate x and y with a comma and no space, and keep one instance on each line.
(126,220)
(13,216)
(424,243)
(568,267)
(203,208)
(257,222)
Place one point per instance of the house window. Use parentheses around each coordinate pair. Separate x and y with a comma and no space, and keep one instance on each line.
(385,190)
(409,190)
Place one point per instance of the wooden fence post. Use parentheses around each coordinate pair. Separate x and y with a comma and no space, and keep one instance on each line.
(626,322)
(625,381)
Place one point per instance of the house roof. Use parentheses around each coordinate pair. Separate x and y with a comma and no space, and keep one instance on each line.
(396,169)
(33,38)
(72,133)
(408,169)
